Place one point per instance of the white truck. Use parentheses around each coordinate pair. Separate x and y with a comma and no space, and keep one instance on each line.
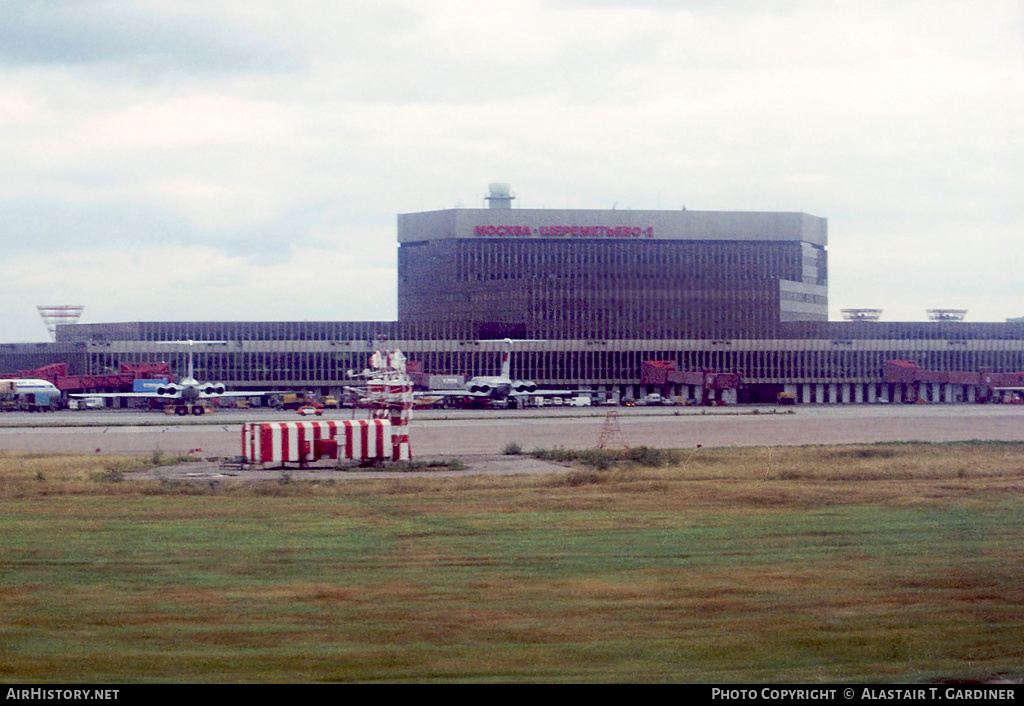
(87,403)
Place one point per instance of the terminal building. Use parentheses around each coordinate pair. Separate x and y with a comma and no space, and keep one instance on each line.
(591,297)
(573,274)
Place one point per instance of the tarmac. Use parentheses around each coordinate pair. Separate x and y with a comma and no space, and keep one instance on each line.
(479,439)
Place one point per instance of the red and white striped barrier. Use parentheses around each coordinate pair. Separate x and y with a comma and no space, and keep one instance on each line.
(305,442)
(385,435)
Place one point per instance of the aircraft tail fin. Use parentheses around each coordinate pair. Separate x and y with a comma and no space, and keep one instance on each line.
(506,359)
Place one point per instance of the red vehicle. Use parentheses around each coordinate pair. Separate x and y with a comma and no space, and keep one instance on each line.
(310,409)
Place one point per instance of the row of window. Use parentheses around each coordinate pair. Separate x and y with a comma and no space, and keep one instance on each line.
(472,261)
(439,330)
(780,256)
(585,289)
(574,367)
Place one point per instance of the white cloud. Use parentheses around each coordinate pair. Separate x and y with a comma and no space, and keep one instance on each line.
(256,140)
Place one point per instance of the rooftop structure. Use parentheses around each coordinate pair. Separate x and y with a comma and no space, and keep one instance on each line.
(861,314)
(59,314)
(947,314)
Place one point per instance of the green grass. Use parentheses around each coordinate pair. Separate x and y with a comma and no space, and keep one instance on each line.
(881,563)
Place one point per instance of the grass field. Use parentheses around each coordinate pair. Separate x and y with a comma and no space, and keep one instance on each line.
(889,562)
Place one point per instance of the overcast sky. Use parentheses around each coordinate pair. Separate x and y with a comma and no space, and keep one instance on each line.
(246,159)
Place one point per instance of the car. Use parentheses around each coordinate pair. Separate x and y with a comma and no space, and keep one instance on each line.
(310,409)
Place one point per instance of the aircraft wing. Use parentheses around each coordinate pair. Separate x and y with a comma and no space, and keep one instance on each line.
(467,393)
(546,393)
(449,393)
(116,394)
(175,395)
(240,393)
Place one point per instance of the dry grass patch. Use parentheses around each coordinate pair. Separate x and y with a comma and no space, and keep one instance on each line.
(855,563)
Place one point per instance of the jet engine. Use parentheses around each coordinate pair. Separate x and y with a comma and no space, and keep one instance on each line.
(521,386)
(168,390)
(482,388)
(212,389)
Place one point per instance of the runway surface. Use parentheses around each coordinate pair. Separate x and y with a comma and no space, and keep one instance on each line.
(488,432)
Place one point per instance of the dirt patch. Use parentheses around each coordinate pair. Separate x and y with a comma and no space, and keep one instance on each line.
(472,465)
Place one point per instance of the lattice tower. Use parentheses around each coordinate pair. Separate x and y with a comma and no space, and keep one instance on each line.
(59,314)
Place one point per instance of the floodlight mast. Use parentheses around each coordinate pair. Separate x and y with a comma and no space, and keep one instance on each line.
(59,314)
(947,314)
(862,314)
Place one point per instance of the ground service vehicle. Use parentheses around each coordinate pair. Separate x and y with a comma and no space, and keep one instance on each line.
(294,400)
(183,409)
(87,403)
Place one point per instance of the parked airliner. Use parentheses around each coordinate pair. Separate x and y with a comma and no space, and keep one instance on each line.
(33,392)
(187,392)
(500,387)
